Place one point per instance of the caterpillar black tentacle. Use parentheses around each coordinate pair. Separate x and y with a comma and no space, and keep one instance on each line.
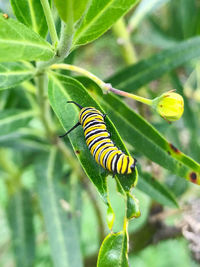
(99,143)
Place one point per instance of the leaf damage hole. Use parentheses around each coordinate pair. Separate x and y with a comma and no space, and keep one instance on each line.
(77,152)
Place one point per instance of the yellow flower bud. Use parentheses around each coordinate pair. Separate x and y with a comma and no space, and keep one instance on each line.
(169,105)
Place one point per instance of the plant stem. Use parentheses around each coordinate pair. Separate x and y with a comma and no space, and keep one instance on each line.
(43,105)
(82,71)
(63,49)
(133,96)
(65,40)
(104,86)
(50,22)
(123,39)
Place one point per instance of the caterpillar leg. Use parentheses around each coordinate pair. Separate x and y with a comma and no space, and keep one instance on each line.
(114,173)
(104,115)
(134,164)
(76,125)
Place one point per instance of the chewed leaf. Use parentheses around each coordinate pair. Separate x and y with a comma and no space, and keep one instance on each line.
(63,88)
(113,251)
(132,205)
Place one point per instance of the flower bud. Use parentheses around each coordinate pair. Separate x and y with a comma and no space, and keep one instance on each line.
(169,105)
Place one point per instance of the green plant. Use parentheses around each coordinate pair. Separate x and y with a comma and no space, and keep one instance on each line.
(40,174)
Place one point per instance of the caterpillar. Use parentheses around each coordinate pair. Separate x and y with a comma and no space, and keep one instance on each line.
(99,143)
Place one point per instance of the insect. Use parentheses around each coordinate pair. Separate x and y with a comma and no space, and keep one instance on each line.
(99,143)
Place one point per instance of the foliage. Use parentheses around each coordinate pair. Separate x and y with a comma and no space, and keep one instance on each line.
(57,216)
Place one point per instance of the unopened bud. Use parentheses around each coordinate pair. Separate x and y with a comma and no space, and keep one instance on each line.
(169,105)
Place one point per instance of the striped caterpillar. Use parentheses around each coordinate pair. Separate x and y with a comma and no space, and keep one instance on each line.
(99,143)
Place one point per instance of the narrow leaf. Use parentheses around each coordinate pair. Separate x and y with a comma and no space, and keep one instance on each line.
(156,190)
(60,225)
(20,218)
(100,16)
(133,77)
(13,73)
(113,251)
(63,88)
(11,120)
(18,42)
(31,14)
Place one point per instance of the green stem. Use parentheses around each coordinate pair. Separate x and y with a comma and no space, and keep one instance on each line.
(104,86)
(67,33)
(81,71)
(123,39)
(50,22)
(63,50)
(66,38)
(133,96)
(44,105)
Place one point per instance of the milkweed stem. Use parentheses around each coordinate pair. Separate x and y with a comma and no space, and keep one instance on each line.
(50,22)
(106,87)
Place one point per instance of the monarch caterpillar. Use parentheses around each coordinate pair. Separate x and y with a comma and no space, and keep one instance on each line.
(99,143)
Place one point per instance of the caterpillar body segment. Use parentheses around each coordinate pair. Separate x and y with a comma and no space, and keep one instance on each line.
(99,143)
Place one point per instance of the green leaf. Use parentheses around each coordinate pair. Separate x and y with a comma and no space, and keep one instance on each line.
(13,73)
(133,77)
(157,191)
(188,17)
(78,8)
(133,210)
(110,217)
(13,119)
(113,251)
(60,224)
(31,14)
(18,42)
(20,218)
(63,88)
(100,16)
